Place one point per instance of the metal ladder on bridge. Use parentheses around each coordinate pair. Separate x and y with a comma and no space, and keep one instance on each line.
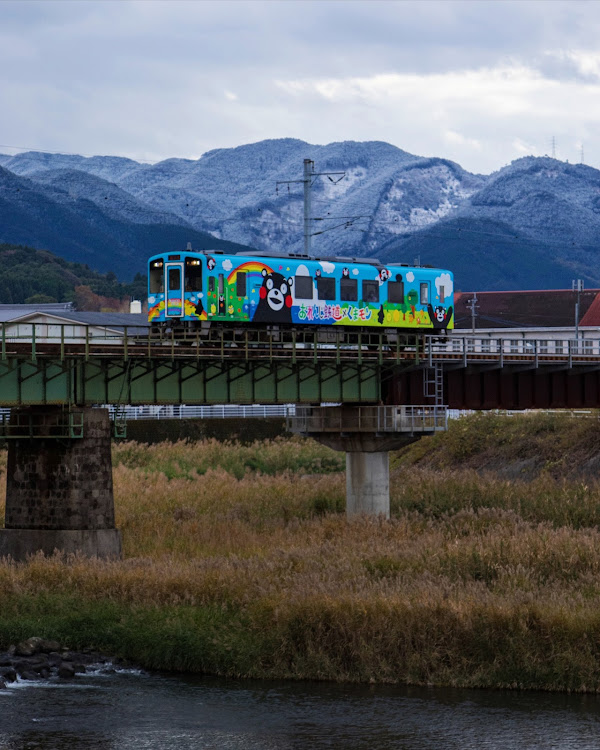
(433,383)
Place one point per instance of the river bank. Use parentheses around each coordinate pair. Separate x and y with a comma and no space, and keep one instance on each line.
(239,561)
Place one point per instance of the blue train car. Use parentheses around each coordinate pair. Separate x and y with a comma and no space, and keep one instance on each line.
(296,290)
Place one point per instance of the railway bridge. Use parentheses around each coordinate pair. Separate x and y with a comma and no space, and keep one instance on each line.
(387,392)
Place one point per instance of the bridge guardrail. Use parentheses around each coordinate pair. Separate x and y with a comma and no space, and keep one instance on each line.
(369,419)
(72,340)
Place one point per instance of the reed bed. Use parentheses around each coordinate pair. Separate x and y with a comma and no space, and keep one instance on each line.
(239,561)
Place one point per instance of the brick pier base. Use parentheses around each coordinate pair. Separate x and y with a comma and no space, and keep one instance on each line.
(59,491)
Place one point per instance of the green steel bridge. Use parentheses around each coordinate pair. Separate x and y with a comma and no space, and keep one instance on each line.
(75,365)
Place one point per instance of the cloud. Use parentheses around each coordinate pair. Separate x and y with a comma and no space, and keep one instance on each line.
(445,280)
(474,82)
(227,265)
(327,267)
(410,277)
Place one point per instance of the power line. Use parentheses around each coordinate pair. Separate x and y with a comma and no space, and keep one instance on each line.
(308,179)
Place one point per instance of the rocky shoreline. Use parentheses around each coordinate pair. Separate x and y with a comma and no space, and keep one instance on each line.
(42,659)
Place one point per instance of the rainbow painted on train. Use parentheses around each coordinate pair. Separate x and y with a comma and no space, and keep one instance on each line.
(297,290)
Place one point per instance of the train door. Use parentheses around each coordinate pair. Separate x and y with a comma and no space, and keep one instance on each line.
(173,290)
(222,295)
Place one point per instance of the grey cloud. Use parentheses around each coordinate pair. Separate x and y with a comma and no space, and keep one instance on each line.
(148,79)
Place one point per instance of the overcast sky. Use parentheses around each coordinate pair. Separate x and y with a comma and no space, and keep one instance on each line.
(480,82)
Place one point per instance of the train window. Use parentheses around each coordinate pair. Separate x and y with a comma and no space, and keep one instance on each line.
(325,288)
(395,292)
(303,287)
(156,277)
(442,294)
(425,293)
(370,291)
(193,275)
(174,279)
(211,283)
(348,290)
(240,284)
(221,283)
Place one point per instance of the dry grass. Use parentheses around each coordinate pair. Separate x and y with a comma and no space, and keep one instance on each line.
(229,569)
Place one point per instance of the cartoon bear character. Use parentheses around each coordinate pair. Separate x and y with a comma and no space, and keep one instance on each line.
(221,304)
(384,275)
(440,317)
(318,272)
(275,304)
(211,263)
(345,273)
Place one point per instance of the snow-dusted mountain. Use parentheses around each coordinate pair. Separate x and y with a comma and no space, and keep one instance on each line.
(91,230)
(232,193)
(533,224)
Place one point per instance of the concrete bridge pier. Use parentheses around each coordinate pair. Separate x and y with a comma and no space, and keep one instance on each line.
(59,491)
(368,483)
(367,434)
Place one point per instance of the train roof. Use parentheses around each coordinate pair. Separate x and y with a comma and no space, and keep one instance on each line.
(304,256)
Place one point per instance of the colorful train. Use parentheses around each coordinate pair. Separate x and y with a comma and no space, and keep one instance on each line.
(265,289)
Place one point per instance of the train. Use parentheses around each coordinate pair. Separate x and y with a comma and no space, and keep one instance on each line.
(197,289)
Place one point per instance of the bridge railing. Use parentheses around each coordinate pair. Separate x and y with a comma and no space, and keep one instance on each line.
(370,419)
(252,343)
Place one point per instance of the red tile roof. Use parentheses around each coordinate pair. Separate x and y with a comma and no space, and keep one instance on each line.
(528,309)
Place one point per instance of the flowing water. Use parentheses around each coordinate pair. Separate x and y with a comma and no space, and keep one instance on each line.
(129,710)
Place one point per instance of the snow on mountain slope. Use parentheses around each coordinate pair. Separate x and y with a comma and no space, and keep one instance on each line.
(232,193)
(111,168)
(68,185)
(389,202)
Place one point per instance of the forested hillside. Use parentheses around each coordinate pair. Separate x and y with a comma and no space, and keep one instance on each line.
(30,275)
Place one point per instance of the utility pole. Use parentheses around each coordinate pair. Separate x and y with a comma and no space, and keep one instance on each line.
(472,304)
(577,286)
(308,178)
(553,147)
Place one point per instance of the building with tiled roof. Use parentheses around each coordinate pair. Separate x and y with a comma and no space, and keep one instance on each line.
(553,308)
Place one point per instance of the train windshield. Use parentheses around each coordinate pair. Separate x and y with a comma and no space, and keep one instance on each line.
(157,284)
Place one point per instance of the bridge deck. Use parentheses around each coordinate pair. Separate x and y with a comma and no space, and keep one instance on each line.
(53,364)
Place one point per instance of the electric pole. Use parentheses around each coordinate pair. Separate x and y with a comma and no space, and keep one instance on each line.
(472,304)
(577,286)
(308,179)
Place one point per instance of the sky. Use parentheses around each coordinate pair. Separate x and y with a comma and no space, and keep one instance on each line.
(480,82)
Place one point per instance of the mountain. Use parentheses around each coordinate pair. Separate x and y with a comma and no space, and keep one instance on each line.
(86,230)
(233,193)
(533,224)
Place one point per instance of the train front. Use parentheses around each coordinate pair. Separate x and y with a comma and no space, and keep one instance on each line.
(175,287)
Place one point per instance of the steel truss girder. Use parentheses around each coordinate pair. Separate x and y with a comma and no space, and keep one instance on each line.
(76,381)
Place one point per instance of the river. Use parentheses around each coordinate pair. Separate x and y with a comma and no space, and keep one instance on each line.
(130,710)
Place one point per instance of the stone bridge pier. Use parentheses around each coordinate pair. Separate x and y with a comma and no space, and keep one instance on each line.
(367,434)
(59,490)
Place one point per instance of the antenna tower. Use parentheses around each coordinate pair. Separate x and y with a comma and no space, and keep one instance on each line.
(582,160)
(553,147)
